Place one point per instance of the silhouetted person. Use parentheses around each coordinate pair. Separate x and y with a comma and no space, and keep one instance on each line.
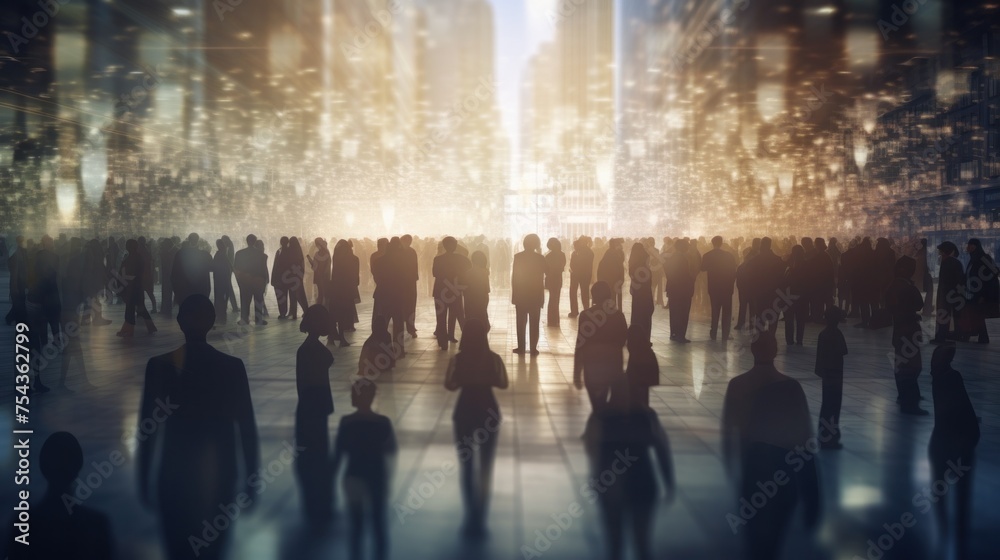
(744,289)
(952,447)
(190,273)
(203,398)
(720,265)
(43,302)
(312,435)
(555,265)
(581,273)
(680,290)
(620,438)
(344,280)
(448,269)
(611,268)
(766,273)
(222,274)
(168,252)
(798,283)
(380,276)
(393,265)
(476,289)
(643,370)
(601,335)
(950,292)
(766,430)
(295,278)
(527,291)
(831,347)
(259,245)
(60,528)
(641,288)
(250,268)
(409,282)
(377,353)
(865,283)
(904,303)
(279,271)
(475,371)
(367,442)
(149,273)
(231,254)
(320,264)
(133,271)
(821,280)
(983,292)
(95,280)
(17,265)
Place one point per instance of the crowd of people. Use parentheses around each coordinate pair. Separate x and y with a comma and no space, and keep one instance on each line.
(799,281)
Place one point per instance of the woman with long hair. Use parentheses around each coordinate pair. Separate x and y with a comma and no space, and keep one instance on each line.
(343,283)
(476,370)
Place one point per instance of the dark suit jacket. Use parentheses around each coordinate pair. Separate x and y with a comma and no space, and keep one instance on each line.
(721,268)
(250,266)
(527,280)
(448,270)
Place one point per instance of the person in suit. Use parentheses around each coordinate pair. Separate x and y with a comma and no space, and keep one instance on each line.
(476,289)
(581,272)
(448,270)
(279,272)
(527,293)
(412,277)
(200,400)
(680,290)
(191,271)
(601,336)
(950,289)
(720,266)
(555,265)
(250,268)
(61,526)
(766,274)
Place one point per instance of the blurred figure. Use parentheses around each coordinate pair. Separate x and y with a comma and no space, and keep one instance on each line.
(476,370)
(555,265)
(222,274)
(983,292)
(765,419)
(279,271)
(952,452)
(312,434)
(831,347)
(61,528)
(132,273)
(411,268)
(476,289)
(44,307)
(296,278)
(640,287)
(367,443)
(250,268)
(680,290)
(168,251)
(17,266)
(343,285)
(797,283)
(448,269)
(377,353)
(643,370)
(720,266)
(619,439)
(601,335)
(581,271)
(904,303)
(320,264)
(611,269)
(148,273)
(190,273)
(950,288)
(527,291)
(203,399)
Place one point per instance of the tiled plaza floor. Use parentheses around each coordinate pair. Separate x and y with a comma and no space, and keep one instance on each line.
(541,462)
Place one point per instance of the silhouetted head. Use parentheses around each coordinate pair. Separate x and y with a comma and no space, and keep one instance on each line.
(821,244)
(553,244)
(220,244)
(316,321)
(479,259)
(717,242)
(942,357)
(284,241)
(600,292)
(531,242)
(46,243)
(637,257)
(407,240)
(196,316)
(755,243)
(764,349)
(832,316)
(682,245)
(132,246)
(765,244)
(450,244)
(251,240)
(974,247)
(60,459)
(948,249)
(382,243)
(363,393)
(807,243)
(193,239)
(141,240)
(904,267)
(259,245)
(474,339)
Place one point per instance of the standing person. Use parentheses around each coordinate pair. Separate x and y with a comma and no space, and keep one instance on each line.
(379,277)
(279,270)
(797,281)
(262,288)
(611,268)
(904,303)
(447,270)
(205,396)
(766,273)
(148,273)
(640,286)
(744,288)
(191,271)
(312,434)
(823,279)
(167,253)
(831,347)
(626,423)
(643,370)
(656,267)
(720,266)
(527,291)
(44,307)
(250,268)
(222,274)
(17,265)
(344,280)
(320,264)
(601,335)
(231,255)
(680,290)
(581,270)
(133,272)
(555,265)
(476,370)
(765,417)
(983,292)
(296,278)
(367,442)
(412,272)
(953,442)
(950,290)
(476,289)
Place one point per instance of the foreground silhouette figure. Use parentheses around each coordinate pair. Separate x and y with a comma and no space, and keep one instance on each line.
(767,440)
(527,291)
(619,439)
(475,371)
(601,335)
(312,435)
(63,529)
(952,448)
(199,401)
(367,442)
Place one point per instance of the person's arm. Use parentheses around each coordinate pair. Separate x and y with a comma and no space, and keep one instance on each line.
(147,445)
(245,421)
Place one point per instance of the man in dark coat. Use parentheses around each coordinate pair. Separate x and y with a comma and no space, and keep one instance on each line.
(447,270)
(581,271)
(197,401)
(721,268)
(950,290)
(281,276)
(680,290)
(191,271)
(250,269)
(527,282)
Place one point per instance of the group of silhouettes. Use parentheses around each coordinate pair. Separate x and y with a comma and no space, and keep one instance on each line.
(192,463)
